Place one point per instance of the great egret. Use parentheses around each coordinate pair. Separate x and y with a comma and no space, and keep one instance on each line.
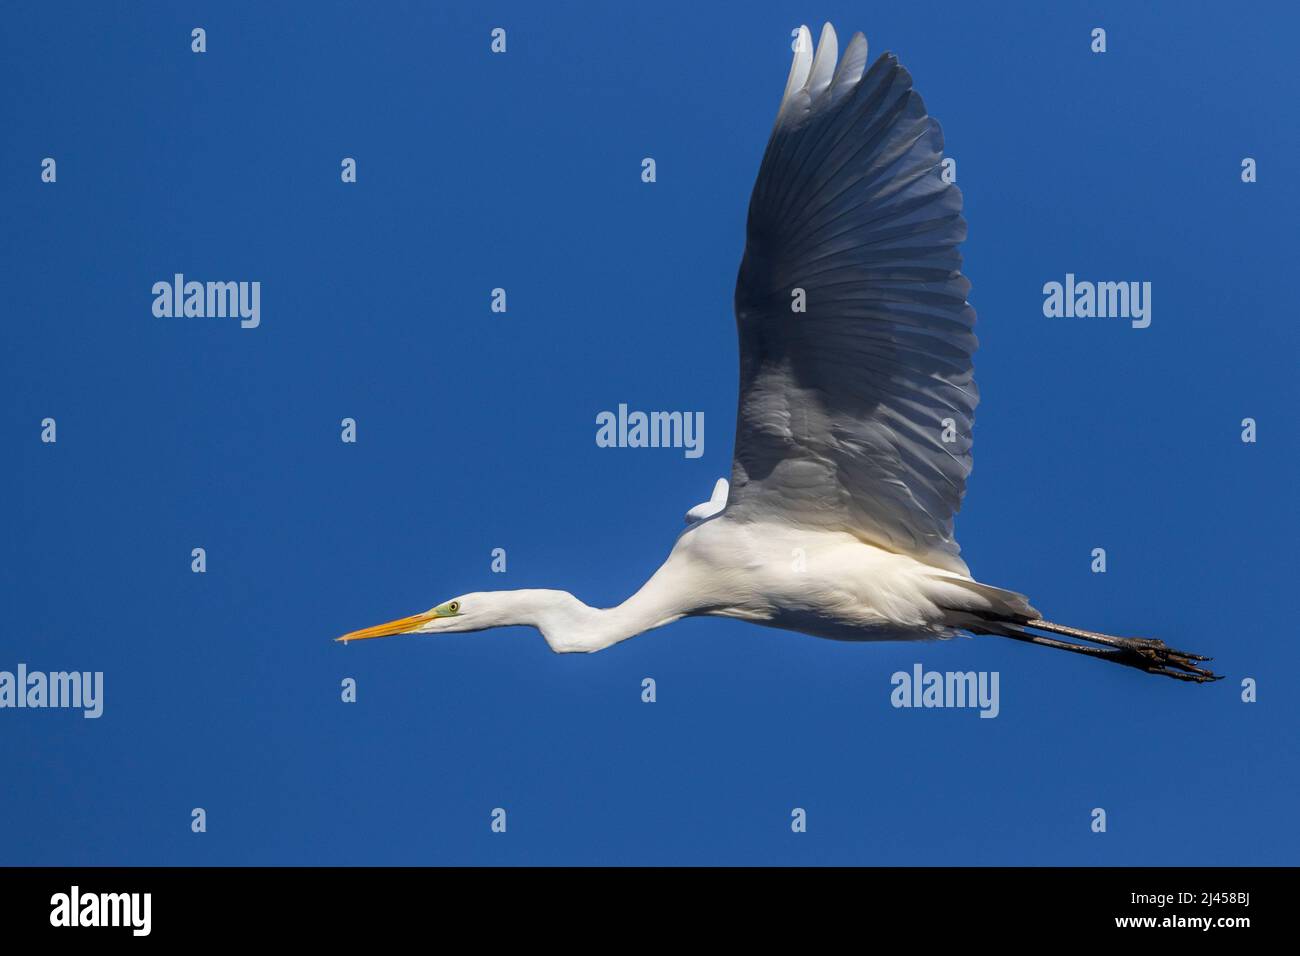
(857,395)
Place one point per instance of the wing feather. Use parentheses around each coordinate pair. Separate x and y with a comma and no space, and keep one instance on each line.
(844,408)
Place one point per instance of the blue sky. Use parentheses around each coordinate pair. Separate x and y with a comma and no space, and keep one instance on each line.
(476,431)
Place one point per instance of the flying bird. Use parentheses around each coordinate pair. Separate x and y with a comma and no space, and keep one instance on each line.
(853,429)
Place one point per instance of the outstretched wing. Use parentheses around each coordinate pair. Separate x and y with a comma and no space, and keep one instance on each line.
(856,413)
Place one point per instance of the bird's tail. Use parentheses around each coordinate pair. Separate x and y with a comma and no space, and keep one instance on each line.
(970,603)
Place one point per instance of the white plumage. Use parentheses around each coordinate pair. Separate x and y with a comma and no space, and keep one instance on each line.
(853,431)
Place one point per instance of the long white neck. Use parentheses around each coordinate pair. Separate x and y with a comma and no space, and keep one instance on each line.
(570,626)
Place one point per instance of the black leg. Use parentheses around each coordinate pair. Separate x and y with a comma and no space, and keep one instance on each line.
(1145,654)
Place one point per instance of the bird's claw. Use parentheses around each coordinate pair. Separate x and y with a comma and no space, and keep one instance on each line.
(1156,657)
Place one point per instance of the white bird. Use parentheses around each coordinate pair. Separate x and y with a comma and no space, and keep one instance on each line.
(853,434)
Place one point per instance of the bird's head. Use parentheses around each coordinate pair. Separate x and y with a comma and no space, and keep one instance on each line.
(563,620)
(469,612)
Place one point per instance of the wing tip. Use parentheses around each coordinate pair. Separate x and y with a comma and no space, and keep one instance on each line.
(801,64)
(822,70)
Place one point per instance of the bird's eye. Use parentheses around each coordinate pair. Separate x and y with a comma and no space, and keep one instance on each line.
(454,606)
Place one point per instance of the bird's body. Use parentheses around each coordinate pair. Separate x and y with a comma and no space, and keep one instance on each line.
(857,400)
(826,584)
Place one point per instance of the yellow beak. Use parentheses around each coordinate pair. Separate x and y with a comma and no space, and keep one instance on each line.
(403,625)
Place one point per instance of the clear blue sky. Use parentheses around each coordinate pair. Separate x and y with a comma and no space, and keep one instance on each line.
(476,431)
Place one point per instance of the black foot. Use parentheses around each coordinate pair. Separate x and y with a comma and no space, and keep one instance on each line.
(1156,657)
